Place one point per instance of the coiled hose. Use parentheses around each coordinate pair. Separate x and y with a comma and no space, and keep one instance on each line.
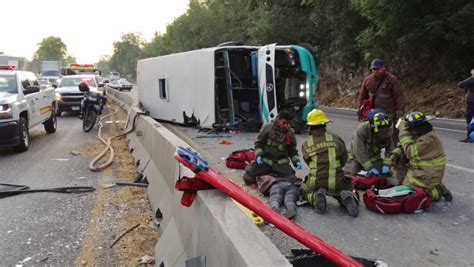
(108,143)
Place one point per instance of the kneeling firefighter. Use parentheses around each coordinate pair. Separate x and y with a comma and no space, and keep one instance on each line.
(367,143)
(325,153)
(420,159)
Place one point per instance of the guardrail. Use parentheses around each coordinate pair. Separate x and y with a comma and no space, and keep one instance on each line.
(213,227)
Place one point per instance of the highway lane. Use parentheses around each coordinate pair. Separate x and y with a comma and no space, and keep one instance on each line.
(46,228)
(440,236)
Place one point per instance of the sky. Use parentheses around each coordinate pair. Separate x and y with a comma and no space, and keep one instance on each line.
(88,28)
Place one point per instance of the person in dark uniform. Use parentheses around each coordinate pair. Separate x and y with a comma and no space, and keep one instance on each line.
(275,148)
(468,85)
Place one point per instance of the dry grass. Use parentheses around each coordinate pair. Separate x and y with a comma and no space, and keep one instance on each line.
(117,209)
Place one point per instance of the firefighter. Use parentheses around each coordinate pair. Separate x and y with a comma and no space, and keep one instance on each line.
(420,156)
(384,89)
(367,143)
(274,149)
(325,153)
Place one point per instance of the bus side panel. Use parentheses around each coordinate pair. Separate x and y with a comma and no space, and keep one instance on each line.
(167,86)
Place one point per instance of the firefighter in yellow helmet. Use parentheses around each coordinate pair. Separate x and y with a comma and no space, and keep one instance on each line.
(420,159)
(325,153)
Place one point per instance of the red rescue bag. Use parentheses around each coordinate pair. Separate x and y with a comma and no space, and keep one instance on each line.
(361,182)
(240,159)
(367,105)
(420,199)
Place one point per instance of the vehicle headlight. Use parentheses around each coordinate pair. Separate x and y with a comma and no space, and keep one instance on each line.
(58,96)
(301,94)
(302,87)
(6,111)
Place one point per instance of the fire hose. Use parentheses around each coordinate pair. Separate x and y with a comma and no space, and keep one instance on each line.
(24,189)
(108,143)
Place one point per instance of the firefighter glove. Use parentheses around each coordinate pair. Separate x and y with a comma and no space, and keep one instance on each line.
(299,165)
(259,160)
(374,171)
(385,170)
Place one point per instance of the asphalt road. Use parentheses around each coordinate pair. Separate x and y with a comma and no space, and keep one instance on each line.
(46,228)
(440,236)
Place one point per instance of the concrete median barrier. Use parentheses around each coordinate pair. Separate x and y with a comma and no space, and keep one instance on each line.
(213,227)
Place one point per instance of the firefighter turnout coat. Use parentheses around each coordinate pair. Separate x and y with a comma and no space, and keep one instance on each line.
(425,160)
(325,153)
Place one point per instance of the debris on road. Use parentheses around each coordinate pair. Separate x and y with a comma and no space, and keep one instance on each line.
(122,235)
(147,260)
(75,153)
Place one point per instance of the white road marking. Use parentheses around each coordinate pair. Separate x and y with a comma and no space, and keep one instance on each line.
(446,129)
(355,120)
(461,168)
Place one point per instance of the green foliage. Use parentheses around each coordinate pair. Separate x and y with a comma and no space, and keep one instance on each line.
(51,48)
(437,35)
(415,37)
(126,53)
(104,64)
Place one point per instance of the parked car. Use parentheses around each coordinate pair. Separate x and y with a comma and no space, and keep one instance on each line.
(53,76)
(68,96)
(44,82)
(120,84)
(114,75)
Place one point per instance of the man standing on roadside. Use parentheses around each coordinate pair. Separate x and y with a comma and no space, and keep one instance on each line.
(384,89)
(468,85)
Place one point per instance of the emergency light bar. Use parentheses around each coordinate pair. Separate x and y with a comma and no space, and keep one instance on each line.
(82,66)
(8,67)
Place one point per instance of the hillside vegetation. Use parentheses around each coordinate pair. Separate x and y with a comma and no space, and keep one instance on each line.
(426,44)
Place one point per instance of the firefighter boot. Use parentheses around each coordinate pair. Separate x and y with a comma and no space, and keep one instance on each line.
(350,203)
(445,193)
(320,201)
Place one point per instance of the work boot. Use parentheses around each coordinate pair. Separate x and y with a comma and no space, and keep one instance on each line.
(320,201)
(350,203)
(446,193)
(290,211)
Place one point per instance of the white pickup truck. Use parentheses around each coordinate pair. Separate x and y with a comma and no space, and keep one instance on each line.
(23,105)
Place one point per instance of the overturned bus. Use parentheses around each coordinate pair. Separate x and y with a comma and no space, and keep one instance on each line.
(229,86)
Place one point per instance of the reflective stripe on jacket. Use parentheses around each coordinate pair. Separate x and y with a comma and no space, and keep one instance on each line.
(426,160)
(366,146)
(275,145)
(325,154)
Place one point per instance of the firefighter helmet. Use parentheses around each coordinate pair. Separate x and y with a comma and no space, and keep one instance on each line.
(414,118)
(317,117)
(378,119)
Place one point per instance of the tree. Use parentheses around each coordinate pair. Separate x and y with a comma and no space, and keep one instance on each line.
(127,52)
(51,48)
(104,64)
